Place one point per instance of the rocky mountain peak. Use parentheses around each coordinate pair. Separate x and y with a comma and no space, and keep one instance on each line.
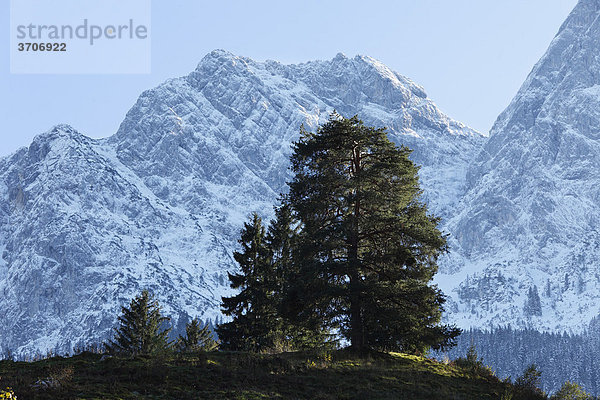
(86,224)
(531,211)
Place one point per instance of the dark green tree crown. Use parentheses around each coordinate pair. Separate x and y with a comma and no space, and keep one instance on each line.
(197,338)
(353,249)
(141,328)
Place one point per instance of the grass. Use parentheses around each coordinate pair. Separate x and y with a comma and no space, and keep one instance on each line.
(230,375)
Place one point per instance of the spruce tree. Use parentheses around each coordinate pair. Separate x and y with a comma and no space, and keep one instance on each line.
(368,247)
(528,384)
(571,391)
(533,305)
(253,309)
(267,267)
(282,235)
(141,328)
(197,338)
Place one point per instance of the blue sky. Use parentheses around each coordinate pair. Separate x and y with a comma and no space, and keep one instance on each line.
(471,56)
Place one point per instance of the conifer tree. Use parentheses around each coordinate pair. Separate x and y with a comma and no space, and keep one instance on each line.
(197,338)
(533,305)
(253,310)
(266,267)
(528,384)
(280,238)
(571,391)
(141,328)
(368,247)
(282,235)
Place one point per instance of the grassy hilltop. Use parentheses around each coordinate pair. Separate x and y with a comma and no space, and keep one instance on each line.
(231,375)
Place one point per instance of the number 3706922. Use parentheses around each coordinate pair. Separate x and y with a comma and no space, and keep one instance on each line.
(42,46)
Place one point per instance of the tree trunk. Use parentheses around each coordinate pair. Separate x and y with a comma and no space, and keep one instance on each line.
(357,337)
(357,332)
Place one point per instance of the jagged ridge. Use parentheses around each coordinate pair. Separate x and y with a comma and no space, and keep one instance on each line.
(527,231)
(85,224)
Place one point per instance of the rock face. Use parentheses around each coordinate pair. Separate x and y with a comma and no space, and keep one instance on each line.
(526,234)
(86,224)
(82,235)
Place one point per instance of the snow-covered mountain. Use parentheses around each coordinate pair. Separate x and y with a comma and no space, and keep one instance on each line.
(81,235)
(527,233)
(86,224)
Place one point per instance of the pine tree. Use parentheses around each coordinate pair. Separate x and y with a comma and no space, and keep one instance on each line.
(139,330)
(253,310)
(368,247)
(197,338)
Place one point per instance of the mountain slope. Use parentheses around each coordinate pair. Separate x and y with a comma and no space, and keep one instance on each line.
(84,235)
(86,224)
(235,119)
(528,227)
